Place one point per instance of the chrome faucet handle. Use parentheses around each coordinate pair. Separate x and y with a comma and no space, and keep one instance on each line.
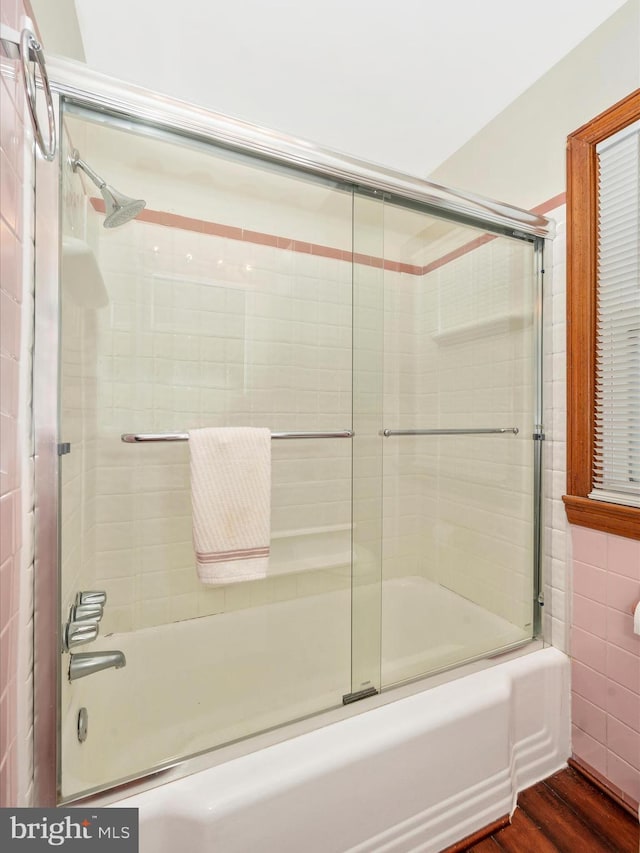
(77,633)
(86,613)
(92,597)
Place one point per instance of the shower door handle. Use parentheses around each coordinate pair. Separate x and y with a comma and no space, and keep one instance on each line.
(479,431)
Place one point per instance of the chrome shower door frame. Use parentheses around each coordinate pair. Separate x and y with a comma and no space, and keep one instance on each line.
(46,620)
(115,99)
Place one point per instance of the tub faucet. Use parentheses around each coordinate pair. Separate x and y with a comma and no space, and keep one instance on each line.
(86,663)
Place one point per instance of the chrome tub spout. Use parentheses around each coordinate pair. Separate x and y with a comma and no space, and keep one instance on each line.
(86,663)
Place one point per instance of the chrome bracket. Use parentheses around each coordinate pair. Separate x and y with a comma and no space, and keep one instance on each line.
(348,698)
(10,43)
(377,193)
(26,48)
(540,599)
(522,235)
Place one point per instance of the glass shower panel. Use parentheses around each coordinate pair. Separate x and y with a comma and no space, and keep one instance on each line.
(227,302)
(368,365)
(458,495)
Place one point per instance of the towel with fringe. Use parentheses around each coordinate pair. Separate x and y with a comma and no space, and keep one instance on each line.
(231,501)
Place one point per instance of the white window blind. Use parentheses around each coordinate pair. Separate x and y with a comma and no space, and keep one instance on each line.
(616,462)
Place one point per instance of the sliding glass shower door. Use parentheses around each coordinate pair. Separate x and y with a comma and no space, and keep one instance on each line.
(392,354)
(461,390)
(226,302)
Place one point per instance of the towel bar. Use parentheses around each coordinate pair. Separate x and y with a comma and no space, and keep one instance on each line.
(134,438)
(388,432)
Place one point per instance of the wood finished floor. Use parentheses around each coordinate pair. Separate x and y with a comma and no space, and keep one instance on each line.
(565,814)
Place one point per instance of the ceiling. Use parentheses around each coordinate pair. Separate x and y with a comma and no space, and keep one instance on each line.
(403,84)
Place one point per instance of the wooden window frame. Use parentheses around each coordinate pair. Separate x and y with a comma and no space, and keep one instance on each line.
(582,248)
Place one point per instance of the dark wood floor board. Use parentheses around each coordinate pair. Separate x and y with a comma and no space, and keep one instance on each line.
(626,803)
(596,810)
(523,836)
(559,823)
(565,813)
(486,846)
(471,841)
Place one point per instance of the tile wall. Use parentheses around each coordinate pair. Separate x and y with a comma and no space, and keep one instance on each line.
(476,364)
(556,541)
(203,330)
(403,528)
(253,343)
(16,516)
(606,658)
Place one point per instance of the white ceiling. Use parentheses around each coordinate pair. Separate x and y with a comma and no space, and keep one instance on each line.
(403,84)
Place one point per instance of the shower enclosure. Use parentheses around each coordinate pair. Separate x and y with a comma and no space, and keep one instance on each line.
(390,343)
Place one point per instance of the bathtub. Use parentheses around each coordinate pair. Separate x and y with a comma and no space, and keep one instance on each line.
(193,685)
(415,774)
(415,768)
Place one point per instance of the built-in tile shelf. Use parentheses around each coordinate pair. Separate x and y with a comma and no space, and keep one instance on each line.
(481,329)
(310,549)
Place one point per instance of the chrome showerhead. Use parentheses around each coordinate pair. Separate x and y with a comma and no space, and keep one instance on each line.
(119,208)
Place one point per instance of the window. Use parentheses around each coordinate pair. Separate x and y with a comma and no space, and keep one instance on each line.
(603,321)
(617,392)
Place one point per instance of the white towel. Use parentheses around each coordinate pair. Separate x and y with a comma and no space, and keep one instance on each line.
(231,500)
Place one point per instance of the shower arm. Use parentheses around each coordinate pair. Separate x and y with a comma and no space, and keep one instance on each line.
(76,163)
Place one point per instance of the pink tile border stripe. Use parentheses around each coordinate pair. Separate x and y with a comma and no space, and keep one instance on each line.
(216,229)
(458,253)
(550,204)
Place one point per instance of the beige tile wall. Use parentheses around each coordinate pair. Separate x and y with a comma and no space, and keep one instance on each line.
(249,341)
(209,330)
(201,330)
(480,361)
